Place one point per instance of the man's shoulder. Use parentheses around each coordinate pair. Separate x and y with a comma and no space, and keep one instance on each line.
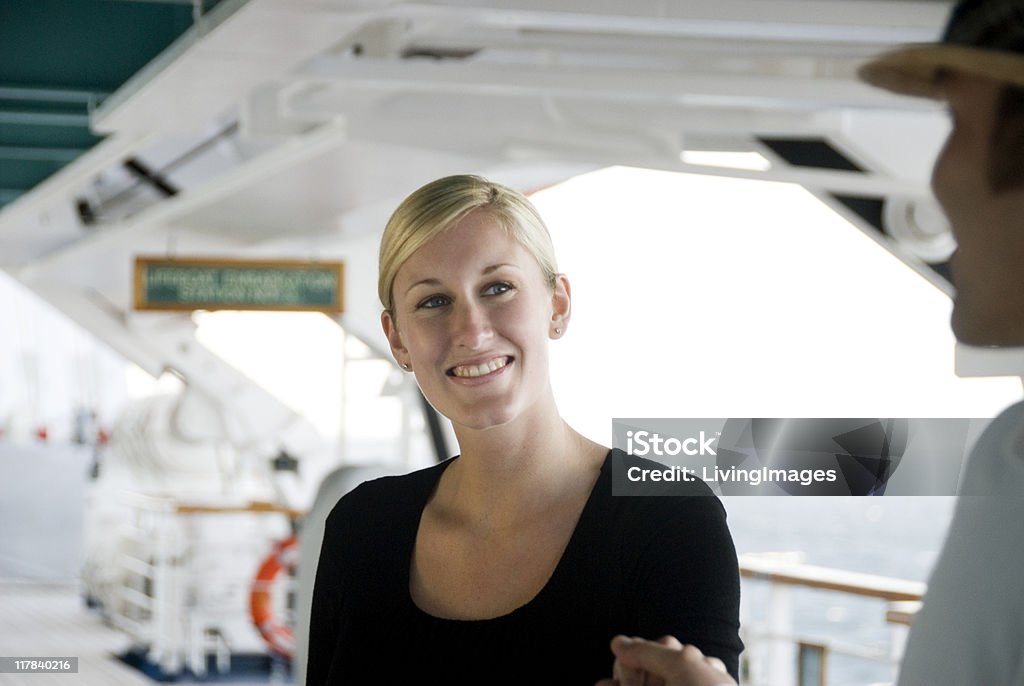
(996,462)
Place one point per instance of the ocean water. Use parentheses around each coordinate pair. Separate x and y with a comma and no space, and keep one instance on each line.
(897,537)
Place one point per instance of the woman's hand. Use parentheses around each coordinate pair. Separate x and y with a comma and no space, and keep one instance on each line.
(665,662)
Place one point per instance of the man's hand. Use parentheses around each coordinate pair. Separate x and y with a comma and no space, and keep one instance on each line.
(665,662)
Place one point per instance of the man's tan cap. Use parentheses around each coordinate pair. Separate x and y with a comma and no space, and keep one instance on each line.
(982,37)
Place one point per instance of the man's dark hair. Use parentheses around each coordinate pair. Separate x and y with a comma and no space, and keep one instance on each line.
(1006,171)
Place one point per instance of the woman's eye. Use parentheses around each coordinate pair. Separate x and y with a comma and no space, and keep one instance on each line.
(497,288)
(432,302)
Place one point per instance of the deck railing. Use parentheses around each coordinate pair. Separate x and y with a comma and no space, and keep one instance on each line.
(163,574)
(778,653)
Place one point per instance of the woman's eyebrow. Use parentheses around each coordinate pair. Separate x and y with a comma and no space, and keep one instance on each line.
(493,267)
(437,282)
(424,282)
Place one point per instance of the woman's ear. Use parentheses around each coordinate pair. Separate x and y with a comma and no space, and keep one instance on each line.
(398,349)
(561,306)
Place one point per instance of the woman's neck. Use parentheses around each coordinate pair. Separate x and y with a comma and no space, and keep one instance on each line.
(518,470)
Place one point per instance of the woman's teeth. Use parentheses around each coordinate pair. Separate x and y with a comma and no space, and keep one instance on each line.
(470,371)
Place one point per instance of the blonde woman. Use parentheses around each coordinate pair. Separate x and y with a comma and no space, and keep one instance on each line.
(512,562)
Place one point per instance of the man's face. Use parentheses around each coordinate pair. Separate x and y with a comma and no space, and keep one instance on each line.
(988,266)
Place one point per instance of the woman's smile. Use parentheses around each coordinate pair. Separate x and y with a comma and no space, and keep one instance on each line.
(481,370)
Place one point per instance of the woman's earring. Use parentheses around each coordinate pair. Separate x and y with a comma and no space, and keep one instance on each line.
(405,366)
(558,331)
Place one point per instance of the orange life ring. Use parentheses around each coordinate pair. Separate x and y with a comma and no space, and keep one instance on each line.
(280,637)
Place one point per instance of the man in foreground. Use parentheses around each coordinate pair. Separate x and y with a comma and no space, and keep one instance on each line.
(970,629)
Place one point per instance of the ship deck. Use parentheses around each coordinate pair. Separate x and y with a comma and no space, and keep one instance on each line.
(50,619)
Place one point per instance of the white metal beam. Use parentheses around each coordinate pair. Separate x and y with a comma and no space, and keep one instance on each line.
(164,214)
(852,20)
(577,83)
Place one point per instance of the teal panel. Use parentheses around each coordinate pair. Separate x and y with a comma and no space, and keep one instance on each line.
(26,173)
(59,56)
(88,44)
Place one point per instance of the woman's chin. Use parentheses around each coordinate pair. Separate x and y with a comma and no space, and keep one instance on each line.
(487,414)
(482,421)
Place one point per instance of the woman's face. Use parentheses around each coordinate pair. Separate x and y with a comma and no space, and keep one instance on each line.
(472,317)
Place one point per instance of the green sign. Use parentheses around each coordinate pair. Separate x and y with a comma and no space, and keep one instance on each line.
(225,284)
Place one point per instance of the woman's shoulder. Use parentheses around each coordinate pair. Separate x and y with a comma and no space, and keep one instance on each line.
(393,484)
(633,476)
(634,504)
(667,517)
(388,497)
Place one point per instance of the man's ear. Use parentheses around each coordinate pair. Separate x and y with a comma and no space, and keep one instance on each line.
(561,306)
(398,349)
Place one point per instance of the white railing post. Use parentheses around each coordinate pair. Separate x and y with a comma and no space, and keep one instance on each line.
(781,653)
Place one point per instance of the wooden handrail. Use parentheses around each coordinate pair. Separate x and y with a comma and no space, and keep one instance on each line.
(902,612)
(254,506)
(171,505)
(825,578)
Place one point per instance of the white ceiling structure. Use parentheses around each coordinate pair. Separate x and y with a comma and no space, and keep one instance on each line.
(291,128)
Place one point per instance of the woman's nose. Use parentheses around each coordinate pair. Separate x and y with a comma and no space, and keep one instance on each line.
(472,326)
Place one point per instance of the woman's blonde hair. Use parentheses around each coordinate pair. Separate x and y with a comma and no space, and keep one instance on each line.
(439,205)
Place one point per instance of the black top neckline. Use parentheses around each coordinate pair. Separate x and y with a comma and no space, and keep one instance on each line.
(430,485)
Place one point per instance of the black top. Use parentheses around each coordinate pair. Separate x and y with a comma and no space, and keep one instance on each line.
(636,565)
